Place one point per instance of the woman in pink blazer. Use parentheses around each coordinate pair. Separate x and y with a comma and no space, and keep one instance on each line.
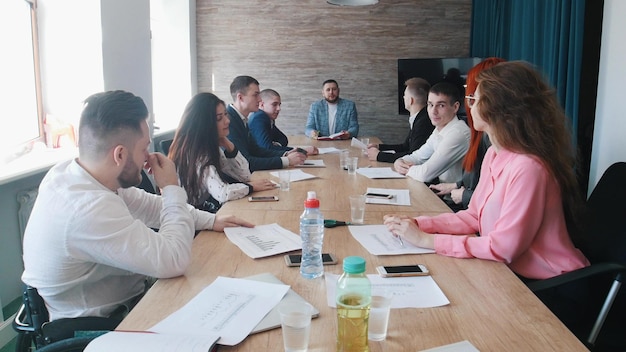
(525,207)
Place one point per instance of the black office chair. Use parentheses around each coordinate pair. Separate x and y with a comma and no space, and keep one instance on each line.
(164,145)
(35,331)
(605,248)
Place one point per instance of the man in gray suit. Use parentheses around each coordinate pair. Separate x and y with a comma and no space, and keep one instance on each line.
(332,117)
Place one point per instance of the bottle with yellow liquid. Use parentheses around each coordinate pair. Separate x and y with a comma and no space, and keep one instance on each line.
(354,294)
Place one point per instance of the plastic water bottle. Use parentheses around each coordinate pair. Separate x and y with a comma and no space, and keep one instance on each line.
(354,295)
(312,234)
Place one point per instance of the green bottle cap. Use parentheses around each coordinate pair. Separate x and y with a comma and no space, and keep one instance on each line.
(354,265)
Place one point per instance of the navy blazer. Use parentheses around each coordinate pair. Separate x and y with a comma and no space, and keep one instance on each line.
(345,120)
(265,133)
(258,158)
(419,133)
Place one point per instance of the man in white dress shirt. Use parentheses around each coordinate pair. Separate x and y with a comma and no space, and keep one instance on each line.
(89,244)
(440,159)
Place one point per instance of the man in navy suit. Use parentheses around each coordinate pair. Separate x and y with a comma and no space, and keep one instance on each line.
(262,124)
(332,116)
(415,97)
(245,93)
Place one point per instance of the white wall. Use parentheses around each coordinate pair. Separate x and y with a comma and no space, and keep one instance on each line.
(609,142)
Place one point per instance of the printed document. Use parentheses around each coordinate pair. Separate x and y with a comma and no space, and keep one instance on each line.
(408,292)
(312,163)
(263,240)
(358,144)
(229,308)
(379,241)
(328,150)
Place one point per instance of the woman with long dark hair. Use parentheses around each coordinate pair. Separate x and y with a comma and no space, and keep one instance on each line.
(210,167)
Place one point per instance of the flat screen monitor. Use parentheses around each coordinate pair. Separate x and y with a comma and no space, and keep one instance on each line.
(435,70)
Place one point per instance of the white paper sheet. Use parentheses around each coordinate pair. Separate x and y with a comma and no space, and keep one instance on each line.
(379,172)
(295,175)
(358,144)
(400,196)
(379,241)
(463,346)
(408,292)
(229,308)
(263,240)
(329,150)
(122,341)
(312,163)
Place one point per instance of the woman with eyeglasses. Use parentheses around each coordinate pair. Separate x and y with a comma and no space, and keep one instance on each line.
(457,195)
(525,208)
(210,167)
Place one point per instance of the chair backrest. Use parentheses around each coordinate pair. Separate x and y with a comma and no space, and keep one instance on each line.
(606,208)
(164,145)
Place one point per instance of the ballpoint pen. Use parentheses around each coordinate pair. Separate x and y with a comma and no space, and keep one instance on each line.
(400,240)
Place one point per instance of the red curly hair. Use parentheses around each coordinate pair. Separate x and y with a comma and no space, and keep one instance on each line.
(476,136)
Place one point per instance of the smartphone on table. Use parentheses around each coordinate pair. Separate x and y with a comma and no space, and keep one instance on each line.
(402,270)
(263,199)
(295,259)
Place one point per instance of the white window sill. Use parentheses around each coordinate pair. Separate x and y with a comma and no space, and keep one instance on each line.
(37,160)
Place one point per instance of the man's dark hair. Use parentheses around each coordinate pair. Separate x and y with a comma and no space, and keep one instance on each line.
(108,118)
(240,85)
(330,81)
(447,89)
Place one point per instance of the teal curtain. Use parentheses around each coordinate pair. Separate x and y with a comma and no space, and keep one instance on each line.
(546,33)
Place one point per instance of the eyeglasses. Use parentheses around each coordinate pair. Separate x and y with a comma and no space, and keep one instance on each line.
(471,100)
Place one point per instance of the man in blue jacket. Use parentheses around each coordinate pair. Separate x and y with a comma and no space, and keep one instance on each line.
(262,124)
(332,117)
(246,98)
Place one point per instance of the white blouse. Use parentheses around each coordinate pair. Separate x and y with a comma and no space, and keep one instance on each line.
(236,167)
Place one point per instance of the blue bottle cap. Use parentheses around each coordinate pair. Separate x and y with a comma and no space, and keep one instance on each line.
(354,265)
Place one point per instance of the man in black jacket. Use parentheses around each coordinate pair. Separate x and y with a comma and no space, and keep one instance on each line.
(415,97)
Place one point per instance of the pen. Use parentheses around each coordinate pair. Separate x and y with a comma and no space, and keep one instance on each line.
(400,240)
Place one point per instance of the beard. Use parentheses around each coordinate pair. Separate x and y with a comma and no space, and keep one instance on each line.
(130,176)
(332,101)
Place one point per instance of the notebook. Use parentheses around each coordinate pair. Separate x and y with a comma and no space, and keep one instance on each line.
(272,319)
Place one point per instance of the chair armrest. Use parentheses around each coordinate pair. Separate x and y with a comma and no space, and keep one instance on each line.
(592,270)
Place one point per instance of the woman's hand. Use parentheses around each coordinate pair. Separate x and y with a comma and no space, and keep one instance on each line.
(457,195)
(222,222)
(442,189)
(226,144)
(262,185)
(406,228)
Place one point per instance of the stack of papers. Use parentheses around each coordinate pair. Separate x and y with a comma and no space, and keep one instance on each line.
(329,150)
(226,311)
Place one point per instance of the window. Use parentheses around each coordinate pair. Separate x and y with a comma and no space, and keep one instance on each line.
(20,112)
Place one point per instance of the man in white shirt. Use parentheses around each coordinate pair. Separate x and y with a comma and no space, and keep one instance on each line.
(440,159)
(89,244)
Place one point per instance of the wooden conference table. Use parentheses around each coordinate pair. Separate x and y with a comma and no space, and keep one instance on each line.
(489,306)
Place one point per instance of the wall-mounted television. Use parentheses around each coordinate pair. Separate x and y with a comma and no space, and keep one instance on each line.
(435,70)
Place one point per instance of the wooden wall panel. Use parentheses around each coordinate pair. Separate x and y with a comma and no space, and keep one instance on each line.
(292,46)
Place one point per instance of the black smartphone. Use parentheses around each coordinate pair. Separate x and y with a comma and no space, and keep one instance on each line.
(263,199)
(295,259)
(300,150)
(379,195)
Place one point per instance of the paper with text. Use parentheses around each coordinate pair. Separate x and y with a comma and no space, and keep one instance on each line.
(229,308)
(408,292)
(263,240)
(463,346)
(400,196)
(379,241)
(328,150)
(131,341)
(295,175)
(379,172)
